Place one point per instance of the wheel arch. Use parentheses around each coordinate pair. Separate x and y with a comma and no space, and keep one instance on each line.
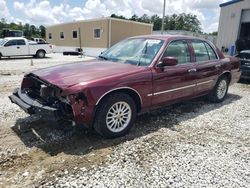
(227,74)
(128,90)
(41,50)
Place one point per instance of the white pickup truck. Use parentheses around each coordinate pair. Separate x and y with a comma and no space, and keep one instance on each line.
(18,46)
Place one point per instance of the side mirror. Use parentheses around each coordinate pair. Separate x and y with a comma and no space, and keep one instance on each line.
(168,61)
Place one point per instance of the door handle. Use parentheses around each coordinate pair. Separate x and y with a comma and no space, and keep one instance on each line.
(217,66)
(18,47)
(192,70)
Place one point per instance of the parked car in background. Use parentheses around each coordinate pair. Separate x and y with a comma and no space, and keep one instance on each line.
(39,40)
(245,63)
(18,46)
(12,33)
(133,76)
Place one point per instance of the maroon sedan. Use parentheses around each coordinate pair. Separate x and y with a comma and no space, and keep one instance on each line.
(133,76)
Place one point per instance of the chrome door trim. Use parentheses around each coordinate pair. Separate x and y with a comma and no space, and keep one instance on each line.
(179,88)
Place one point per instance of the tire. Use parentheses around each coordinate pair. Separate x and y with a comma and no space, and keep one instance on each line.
(40,54)
(124,113)
(219,92)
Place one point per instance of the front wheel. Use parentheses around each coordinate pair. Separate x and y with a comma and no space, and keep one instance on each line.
(220,90)
(115,115)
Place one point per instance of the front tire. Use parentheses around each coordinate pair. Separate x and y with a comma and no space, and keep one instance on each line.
(115,115)
(219,92)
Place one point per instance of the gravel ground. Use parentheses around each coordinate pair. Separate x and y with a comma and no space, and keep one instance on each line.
(190,144)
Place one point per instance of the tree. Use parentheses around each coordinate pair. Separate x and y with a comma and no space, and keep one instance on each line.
(144,18)
(116,16)
(156,20)
(28,30)
(42,31)
(134,18)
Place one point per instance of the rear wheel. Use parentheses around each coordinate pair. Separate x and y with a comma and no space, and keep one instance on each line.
(115,115)
(40,54)
(219,92)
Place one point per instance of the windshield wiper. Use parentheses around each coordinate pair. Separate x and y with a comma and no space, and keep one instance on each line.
(103,57)
(143,54)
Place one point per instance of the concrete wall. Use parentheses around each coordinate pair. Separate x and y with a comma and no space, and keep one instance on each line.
(229,24)
(112,31)
(87,34)
(121,29)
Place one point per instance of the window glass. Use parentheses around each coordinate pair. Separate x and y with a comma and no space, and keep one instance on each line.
(179,50)
(50,35)
(211,52)
(11,43)
(200,51)
(74,33)
(97,33)
(61,35)
(20,42)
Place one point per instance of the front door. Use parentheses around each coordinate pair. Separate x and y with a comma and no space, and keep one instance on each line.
(10,48)
(172,83)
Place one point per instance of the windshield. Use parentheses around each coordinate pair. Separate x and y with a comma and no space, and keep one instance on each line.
(2,41)
(139,51)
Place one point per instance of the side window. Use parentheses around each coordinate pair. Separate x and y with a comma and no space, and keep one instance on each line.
(61,35)
(11,43)
(200,51)
(179,50)
(20,42)
(97,33)
(74,34)
(211,52)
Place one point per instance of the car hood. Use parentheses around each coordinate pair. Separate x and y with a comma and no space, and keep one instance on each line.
(67,75)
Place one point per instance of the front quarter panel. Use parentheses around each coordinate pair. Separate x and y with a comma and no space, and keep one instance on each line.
(96,91)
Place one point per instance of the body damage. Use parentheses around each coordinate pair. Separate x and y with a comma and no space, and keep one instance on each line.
(76,90)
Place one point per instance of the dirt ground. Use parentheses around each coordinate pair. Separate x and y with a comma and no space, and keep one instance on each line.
(34,152)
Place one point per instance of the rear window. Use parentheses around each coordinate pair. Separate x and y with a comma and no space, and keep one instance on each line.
(20,42)
(200,51)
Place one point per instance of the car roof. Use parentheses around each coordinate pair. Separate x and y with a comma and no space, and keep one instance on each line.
(168,37)
(10,38)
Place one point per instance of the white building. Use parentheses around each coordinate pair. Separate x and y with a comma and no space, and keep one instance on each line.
(234,24)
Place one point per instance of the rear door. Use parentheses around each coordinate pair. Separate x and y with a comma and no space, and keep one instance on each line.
(174,82)
(208,66)
(22,47)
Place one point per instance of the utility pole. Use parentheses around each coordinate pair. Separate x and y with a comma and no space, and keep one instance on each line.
(80,41)
(163,17)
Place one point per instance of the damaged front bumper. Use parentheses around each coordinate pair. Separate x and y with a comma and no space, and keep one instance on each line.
(32,106)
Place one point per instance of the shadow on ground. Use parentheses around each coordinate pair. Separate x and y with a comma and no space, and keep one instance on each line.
(21,58)
(54,138)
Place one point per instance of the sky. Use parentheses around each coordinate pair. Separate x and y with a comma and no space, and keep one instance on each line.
(45,12)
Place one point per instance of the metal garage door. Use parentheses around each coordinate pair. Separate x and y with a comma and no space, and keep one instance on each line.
(245,17)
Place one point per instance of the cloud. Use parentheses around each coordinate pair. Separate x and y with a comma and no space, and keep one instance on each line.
(18,6)
(43,12)
(4,12)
